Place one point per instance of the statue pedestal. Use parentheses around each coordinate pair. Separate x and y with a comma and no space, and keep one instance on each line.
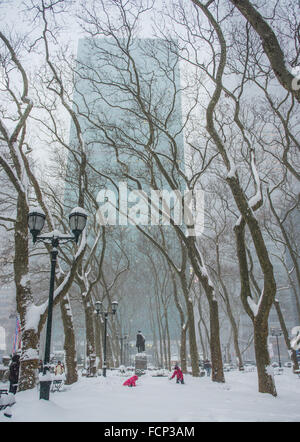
(140,363)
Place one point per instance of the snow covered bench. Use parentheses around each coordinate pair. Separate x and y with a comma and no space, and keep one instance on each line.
(249,368)
(6,399)
(4,372)
(160,373)
(297,372)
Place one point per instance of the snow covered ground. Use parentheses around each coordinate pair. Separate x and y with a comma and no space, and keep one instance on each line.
(157,399)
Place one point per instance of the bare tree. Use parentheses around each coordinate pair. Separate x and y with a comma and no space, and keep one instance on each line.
(155,119)
(271,45)
(247,207)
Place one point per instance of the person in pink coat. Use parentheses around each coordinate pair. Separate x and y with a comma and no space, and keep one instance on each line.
(179,375)
(131,381)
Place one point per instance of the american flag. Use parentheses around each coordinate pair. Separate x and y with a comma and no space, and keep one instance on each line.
(17,337)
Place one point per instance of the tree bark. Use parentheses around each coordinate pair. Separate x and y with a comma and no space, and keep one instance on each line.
(215,344)
(98,341)
(30,337)
(69,343)
(259,319)
(183,325)
(90,335)
(292,352)
(270,45)
(231,318)
(265,372)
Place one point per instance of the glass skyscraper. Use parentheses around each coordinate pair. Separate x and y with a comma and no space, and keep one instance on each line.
(128,99)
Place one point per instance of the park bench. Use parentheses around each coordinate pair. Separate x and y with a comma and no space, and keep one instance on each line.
(4,372)
(249,368)
(297,372)
(6,399)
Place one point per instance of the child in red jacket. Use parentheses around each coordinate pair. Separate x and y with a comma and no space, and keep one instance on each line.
(131,381)
(179,375)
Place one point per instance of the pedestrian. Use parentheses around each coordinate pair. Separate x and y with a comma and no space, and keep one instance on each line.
(59,369)
(14,369)
(41,366)
(179,375)
(207,366)
(131,382)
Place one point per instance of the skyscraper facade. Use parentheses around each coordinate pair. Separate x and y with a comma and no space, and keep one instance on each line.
(128,99)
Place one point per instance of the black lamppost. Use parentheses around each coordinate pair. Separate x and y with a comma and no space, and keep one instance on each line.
(99,310)
(36,220)
(277,332)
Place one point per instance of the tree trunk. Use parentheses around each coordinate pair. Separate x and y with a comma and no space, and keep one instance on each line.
(115,346)
(270,45)
(69,344)
(292,352)
(204,355)
(235,337)
(266,382)
(168,341)
(98,342)
(90,336)
(231,318)
(183,325)
(29,360)
(183,356)
(204,342)
(265,376)
(215,345)
(192,337)
(30,338)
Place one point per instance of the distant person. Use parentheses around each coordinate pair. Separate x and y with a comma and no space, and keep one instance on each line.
(41,366)
(131,382)
(140,342)
(179,375)
(14,369)
(59,369)
(207,367)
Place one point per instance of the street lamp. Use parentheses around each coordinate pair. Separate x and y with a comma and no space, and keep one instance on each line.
(36,221)
(99,310)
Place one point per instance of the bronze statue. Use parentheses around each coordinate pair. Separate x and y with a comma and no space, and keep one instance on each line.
(140,342)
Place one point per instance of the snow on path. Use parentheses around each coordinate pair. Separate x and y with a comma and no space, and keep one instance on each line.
(156,399)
